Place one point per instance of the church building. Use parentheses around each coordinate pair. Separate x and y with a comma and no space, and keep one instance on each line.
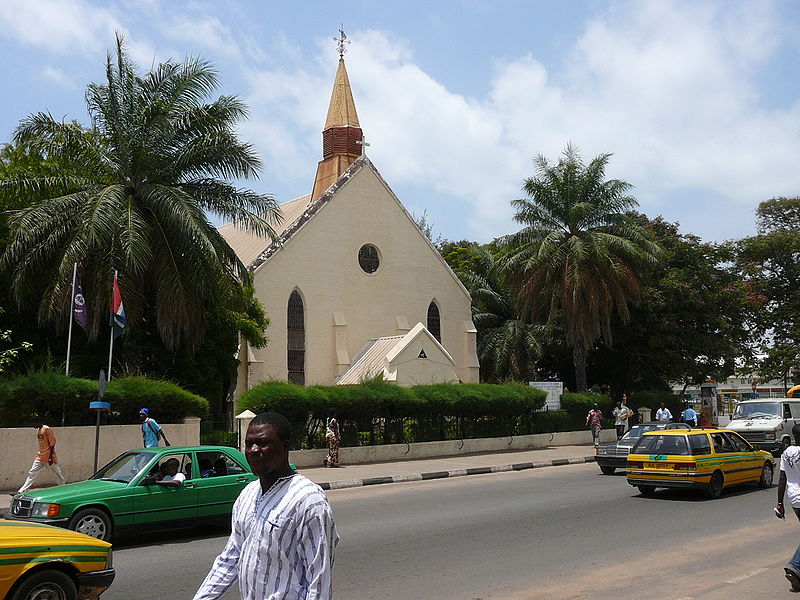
(352,287)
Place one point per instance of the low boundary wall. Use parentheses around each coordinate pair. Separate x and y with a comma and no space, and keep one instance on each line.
(393,452)
(75,449)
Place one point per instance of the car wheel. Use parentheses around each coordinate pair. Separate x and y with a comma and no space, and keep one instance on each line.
(46,585)
(765,480)
(714,489)
(608,470)
(647,490)
(92,522)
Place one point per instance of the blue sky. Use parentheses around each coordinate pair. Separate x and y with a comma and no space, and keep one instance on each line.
(699,102)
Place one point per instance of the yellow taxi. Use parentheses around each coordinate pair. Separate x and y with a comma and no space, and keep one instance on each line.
(707,459)
(41,562)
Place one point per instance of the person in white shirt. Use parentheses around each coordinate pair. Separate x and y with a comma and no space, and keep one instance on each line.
(663,415)
(172,476)
(789,485)
(283,536)
(621,414)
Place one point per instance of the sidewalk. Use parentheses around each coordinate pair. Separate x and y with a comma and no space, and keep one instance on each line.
(348,476)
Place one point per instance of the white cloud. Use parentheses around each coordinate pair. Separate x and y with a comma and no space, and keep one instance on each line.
(64,26)
(59,78)
(668,88)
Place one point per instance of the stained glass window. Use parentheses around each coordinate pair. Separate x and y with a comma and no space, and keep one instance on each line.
(296,340)
(434,321)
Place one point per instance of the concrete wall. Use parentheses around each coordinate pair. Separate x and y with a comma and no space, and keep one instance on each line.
(75,449)
(390,452)
(344,306)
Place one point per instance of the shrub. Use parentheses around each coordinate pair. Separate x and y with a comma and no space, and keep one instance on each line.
(52,395)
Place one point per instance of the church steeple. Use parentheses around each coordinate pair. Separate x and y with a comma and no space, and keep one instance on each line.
(342,138)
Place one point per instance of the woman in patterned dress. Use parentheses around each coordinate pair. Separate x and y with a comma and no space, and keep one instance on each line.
(333,437)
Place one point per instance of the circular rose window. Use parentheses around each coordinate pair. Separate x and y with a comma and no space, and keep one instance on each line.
(368,258)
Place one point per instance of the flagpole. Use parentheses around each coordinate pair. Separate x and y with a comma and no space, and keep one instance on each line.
(71,316)
(111,346)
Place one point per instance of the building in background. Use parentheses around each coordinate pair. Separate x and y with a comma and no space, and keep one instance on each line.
(350,278)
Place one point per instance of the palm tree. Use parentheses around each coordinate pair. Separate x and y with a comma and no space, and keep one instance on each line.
(156,160)
(507,345)
(579,256)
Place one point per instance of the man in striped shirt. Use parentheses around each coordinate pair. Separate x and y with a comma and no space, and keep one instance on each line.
(283,536)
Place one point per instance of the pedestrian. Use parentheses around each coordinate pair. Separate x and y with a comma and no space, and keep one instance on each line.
(789,485)
(151,430)
(283,536)
(46,455)
(621,414)
(663,415)
(334,437)
(595,422)
(689,416)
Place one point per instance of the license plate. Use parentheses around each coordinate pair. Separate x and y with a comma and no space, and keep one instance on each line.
(651,465)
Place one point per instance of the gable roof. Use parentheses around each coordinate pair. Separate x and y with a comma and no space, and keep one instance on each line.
(378,356)
(299,211)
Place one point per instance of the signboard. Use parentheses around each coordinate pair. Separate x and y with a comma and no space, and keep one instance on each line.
(553,389)
(100,405)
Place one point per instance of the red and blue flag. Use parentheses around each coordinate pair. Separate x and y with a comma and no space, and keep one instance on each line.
(118,321)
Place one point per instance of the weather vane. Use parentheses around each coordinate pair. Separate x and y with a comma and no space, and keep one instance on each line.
(341,41)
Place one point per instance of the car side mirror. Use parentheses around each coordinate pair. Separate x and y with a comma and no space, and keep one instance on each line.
(149,480)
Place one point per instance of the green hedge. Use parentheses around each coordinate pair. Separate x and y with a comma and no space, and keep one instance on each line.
(50,394)
(378,412)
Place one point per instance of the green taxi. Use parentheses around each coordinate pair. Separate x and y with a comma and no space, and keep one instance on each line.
(705,459)
(128,492)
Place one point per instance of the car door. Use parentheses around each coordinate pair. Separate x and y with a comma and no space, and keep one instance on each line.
(156,503)
(751,462)
(729,460)
(221,478)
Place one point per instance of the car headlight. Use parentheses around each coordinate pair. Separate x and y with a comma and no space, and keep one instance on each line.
(110,559)
(45,509)
(770,435)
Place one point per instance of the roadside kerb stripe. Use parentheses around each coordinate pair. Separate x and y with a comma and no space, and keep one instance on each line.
(348,483)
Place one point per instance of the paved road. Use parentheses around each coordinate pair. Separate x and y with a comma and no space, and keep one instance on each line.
(557,533)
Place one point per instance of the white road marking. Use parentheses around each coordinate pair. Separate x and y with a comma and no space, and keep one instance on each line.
(744,576)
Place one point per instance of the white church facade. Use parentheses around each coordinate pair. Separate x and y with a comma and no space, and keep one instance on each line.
(352,287)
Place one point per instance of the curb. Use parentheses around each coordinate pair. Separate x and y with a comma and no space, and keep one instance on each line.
(349,483)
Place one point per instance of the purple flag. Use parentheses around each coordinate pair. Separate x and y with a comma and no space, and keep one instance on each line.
(79,304)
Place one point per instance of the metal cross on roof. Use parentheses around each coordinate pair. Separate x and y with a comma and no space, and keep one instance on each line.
(363,143)
(341,41)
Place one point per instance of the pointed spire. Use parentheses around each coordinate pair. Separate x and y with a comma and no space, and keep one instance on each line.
(342,108)
(342,138)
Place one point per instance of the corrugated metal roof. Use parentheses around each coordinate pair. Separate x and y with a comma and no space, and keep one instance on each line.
(369,361)
(247,245)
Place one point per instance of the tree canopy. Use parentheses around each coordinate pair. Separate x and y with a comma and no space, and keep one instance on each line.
(132,193)
(579,256)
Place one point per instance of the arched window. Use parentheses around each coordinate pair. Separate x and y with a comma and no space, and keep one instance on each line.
(434,321)
(296,340)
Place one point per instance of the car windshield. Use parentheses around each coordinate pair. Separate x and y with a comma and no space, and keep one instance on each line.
(125,467)
(636,432)
(662,444)
(757,410)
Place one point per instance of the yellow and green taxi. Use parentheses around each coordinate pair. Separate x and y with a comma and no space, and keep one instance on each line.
(707,459)
(40,562)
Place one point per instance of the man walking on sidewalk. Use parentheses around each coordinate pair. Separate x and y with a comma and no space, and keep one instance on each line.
(595,422)
(46,456)
(789,481)
(151,430)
